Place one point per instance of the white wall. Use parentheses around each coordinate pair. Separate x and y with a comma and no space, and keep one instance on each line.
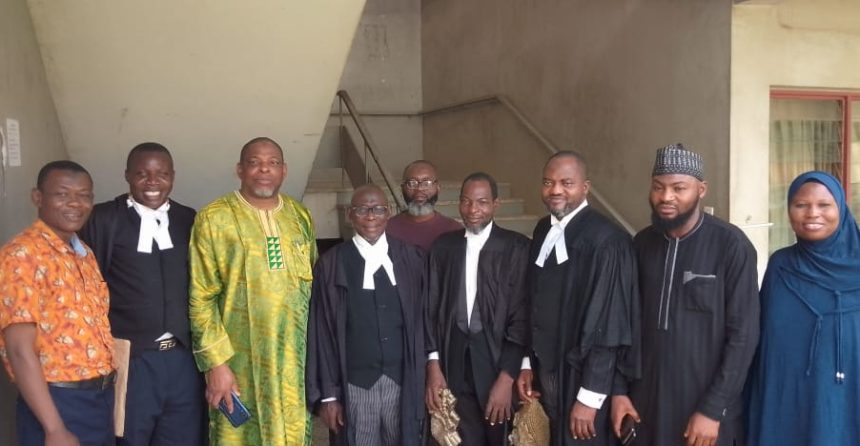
(24,95)
(795,44)
(200,77)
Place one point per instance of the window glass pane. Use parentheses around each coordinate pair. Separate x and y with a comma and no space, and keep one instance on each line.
(854,202)
(805,135)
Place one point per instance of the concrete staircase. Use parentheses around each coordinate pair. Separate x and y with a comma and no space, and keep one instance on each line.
(329,190)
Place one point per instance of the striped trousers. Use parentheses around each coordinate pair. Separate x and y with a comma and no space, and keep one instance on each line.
(374,414)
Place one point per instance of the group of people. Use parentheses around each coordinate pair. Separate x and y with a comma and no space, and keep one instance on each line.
(664,333)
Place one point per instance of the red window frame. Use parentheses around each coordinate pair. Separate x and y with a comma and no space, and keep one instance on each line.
(844,98)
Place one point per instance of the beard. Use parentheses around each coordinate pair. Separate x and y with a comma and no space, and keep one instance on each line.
(670,224)
(421,209)
(264,192)
(559,214)
(478,228)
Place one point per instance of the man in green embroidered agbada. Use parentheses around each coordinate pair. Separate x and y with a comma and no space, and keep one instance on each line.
(251,255)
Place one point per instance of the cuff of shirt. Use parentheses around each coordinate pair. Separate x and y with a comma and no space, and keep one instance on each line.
(433,356)
(328,400)
(527,363)
(591,399)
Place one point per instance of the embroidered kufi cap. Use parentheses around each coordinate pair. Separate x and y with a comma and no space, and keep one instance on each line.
(674,158)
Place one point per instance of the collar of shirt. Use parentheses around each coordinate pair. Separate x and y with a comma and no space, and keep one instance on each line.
(555,237)
(375,256)
(154,225)
(73,246)
(474,244)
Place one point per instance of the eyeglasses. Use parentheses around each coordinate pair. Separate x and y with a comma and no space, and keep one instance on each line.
(419,184)
(363,211)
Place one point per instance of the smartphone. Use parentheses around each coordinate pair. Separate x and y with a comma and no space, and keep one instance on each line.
(240,413)
(628,430)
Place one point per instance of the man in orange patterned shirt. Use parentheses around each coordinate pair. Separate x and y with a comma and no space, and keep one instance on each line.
(56,342)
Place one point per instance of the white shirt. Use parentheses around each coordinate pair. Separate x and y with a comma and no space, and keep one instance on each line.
(474,244)
(555,241)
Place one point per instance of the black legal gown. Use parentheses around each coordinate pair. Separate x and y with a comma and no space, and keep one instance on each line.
(500,298)
(700,328)
(598,316)
(325,369)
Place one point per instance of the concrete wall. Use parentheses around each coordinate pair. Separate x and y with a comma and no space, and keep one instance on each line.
(383,76)
(614,80)
(200,77)
(24,96)
(794,44)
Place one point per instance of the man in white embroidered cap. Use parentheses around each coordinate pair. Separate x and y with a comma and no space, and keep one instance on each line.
(365,357)
(700,315)
(582,286)
(140,240)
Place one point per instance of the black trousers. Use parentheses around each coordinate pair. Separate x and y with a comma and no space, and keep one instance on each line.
(474,429)
(165,403)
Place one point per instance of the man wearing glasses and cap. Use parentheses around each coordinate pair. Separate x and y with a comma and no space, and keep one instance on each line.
(420,224)
(365,355)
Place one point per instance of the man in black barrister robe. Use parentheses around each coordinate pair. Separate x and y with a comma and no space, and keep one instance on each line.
(582,279)
(700,314)
(140,240)
(477,318)
(364,373)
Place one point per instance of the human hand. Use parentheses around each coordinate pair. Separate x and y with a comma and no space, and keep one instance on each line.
(435,383)
(331,413)
(499,403)
(220,382)
(582,421)
(701,431)
(61,437)
(524,385)
(622,406)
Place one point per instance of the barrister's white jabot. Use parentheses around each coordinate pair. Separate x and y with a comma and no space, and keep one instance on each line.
(154,224)
(374,255)
(555,238)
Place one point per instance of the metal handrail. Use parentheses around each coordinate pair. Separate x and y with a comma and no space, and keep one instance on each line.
(369,145)
(533,130)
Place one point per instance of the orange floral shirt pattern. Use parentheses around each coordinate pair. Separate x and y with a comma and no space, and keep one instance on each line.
(43,281)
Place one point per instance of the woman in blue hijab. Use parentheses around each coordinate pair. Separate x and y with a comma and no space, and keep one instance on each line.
(805,384)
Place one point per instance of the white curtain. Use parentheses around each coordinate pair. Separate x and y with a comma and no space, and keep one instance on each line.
(797,146)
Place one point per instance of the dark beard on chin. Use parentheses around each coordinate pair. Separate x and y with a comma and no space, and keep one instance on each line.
(670,224)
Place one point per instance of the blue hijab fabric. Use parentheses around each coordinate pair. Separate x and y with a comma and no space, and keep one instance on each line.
(835,260)
(804,386)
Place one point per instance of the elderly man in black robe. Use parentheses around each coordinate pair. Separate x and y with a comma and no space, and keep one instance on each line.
(582,285)
(365,362)
(477,320)
(700,314)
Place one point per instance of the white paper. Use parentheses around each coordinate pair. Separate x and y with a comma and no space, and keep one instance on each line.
(13,142)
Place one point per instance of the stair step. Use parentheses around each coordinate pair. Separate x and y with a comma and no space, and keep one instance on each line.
(507,207)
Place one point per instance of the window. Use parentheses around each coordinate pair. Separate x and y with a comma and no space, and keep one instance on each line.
(811,131)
